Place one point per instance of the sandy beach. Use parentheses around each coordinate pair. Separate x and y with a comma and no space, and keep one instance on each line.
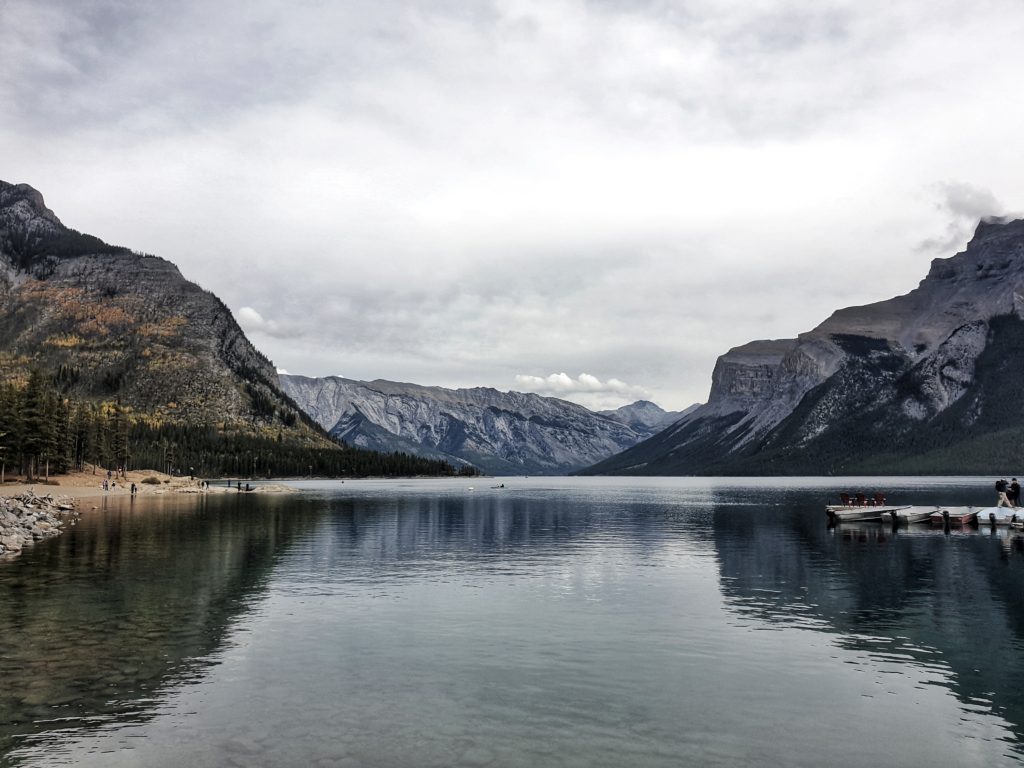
(89,485)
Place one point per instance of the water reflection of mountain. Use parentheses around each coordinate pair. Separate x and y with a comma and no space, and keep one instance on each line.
(380,536)
(97,621)
(388,531)
(916,596)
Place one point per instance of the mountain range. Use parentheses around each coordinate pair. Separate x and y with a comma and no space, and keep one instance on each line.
(928,382)
(499,432)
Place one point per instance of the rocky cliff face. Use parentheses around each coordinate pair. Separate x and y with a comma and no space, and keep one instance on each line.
(905,379)
(109,323)
(500,432)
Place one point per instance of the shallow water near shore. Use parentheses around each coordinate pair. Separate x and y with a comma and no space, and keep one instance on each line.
(554,622)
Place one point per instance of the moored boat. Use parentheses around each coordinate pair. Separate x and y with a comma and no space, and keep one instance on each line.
(907,515)
(998,516)
(842,513)
(958,516)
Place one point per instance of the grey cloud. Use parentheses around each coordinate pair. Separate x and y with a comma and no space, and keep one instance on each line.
(150,67)
(964,205)
(456,193)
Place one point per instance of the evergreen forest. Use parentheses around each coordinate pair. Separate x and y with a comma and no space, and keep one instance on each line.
(43,433)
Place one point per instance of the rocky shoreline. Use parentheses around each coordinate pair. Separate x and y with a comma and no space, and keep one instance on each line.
(27,518)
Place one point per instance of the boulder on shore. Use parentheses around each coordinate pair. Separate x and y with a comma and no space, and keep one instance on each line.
(26,518)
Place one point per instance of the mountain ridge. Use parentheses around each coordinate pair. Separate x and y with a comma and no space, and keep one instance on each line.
(501,432)
(869,376)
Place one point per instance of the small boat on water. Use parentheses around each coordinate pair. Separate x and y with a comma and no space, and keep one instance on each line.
(958,516)
(998,516)
(842,513)
(907,515)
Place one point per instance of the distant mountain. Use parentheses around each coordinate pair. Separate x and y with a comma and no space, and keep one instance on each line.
(646,417)
(500,432)
(928,382)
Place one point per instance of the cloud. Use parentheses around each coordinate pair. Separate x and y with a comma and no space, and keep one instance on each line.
(964,205)
(455,193)
(585,389)
(253,322)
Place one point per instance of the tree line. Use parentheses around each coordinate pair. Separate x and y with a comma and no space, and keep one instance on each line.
(44,433)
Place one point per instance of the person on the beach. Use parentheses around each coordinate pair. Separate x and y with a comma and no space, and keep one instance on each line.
(1014,492)
(1002,500)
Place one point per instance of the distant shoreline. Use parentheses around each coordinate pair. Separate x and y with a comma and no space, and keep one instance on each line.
(89,485)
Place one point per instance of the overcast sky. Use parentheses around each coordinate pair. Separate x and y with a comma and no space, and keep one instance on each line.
(590,199)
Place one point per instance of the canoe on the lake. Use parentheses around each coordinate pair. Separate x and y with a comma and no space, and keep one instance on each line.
(999,516)
(907,515)
(843,513)
(957,515)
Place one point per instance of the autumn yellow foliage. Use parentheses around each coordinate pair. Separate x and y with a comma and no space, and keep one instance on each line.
(67,341)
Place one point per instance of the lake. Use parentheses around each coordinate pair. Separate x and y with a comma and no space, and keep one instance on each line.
(554,622)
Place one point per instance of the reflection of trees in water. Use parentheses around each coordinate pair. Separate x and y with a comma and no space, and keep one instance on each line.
(99,619)
(954,602)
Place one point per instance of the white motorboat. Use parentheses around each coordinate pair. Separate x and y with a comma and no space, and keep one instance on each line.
(845,513)
(999,516)
(907,515)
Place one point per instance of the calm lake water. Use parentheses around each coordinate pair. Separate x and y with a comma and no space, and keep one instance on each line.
(555,622)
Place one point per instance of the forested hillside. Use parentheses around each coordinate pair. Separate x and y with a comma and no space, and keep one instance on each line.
(111,357)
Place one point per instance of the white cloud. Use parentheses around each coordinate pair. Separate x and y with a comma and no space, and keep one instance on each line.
(250,319)
(586,389)
(252,322)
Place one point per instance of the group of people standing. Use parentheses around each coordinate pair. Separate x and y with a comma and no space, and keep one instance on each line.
(1007,493)
(110,483)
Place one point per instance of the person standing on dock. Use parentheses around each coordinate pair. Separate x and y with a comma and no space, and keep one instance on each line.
(1014,492)
(1001,497)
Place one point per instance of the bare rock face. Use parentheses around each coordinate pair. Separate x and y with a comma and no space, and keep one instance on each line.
(944,376)
(887,373)
(749,376)
(986,280)
(500,432)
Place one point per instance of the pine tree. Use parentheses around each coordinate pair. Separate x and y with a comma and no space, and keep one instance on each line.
(38,413)
(119,437)
(10,428)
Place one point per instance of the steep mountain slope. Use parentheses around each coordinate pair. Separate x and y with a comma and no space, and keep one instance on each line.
(925,382)
(500,432)
(107,323)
